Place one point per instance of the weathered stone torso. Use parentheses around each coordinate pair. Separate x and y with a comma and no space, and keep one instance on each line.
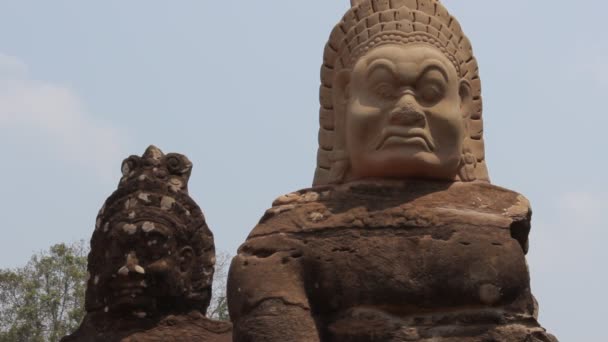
(397,260)
(194,326)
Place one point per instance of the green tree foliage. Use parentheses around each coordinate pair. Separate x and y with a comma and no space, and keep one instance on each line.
(44,300)
(218,308)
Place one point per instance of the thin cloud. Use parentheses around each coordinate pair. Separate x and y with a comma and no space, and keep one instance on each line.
(591,64)
(584,207)
(11,67)
(57,117)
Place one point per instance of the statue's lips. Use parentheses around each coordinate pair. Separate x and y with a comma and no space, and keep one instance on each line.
(128,289)
(403,136)
(129,295)
(128,292)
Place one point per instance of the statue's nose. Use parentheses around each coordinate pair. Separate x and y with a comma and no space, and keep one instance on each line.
(408,113)
(131,265)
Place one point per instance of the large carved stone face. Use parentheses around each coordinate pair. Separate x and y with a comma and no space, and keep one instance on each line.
(144,270)
(404,114)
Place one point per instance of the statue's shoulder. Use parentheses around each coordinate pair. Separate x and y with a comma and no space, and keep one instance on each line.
(194,324)
(374,204)
(287,211)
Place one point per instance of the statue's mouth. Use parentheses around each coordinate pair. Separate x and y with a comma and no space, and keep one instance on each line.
(399,136)
(128,292)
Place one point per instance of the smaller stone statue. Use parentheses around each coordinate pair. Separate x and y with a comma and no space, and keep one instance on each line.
(152,259)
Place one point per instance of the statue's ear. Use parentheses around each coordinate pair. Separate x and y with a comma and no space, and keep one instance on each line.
(186,259)
(466,98)
(341,91)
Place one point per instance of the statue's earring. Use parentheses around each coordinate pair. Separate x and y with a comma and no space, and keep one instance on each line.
(468,163)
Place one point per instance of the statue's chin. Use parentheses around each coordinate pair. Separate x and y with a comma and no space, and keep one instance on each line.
(128,304)
(404,164)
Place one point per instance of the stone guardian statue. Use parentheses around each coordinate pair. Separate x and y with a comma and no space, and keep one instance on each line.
(152,260)
(402,237)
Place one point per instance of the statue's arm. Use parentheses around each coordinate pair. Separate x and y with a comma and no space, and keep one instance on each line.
(267,298)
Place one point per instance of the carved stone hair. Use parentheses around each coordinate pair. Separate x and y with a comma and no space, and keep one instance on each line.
(372,23)
(155,187)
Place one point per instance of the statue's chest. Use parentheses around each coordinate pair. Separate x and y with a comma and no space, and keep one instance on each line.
(405,270)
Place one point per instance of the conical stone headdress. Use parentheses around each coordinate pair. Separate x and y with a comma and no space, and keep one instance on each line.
(372,23)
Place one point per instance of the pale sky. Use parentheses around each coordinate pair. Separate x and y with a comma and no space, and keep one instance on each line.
(234,86)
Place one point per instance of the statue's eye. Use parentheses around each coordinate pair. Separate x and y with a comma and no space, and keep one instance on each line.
(431,87)
(385,91)
(156,246)
(430,93)
(155,238)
